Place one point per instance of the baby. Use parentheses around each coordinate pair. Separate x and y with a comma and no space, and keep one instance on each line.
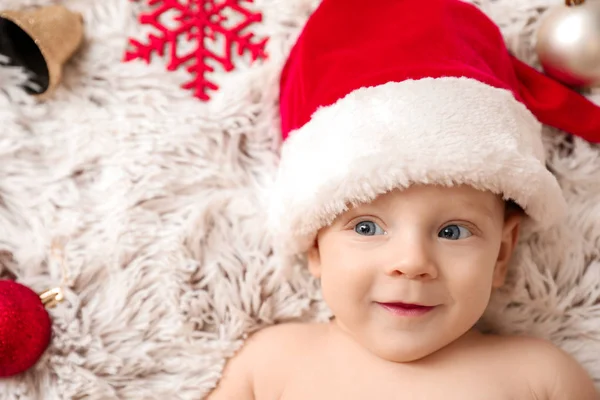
(407,277)
(412,158)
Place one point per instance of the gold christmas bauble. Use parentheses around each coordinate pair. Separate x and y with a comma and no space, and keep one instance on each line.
(568,43)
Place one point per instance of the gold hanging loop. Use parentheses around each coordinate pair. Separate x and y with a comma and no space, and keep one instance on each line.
(51,297)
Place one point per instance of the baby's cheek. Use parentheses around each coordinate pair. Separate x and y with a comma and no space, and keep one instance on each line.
(474,290)
(334,290)
(344,283)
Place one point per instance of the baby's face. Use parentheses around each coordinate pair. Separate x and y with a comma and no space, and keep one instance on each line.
(413,271)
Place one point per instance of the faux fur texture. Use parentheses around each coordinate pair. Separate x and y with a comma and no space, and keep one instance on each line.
(159,202)
(444,131)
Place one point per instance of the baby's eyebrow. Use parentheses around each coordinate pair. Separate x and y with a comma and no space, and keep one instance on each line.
(354,211)
(480,207)
(364,209)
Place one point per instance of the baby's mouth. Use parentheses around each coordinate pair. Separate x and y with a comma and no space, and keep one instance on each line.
(406,309)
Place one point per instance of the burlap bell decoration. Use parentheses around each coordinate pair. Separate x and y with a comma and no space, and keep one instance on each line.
(41,40)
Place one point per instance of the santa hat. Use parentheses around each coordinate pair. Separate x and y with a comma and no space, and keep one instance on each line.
(384,94)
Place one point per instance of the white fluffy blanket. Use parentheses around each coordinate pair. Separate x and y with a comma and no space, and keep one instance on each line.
(158,199)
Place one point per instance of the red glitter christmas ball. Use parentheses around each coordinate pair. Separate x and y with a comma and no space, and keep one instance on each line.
(25,328)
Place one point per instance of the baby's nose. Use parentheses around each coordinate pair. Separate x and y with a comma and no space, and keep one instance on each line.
(412,259)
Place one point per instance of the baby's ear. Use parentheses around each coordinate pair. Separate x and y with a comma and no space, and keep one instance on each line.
(510,235)
(314,259)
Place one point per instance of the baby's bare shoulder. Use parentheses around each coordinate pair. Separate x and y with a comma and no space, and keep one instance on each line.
(553,373)
(277,351)
(273,345)
(264,361)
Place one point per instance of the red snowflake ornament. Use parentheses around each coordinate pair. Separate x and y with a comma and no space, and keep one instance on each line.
(198,21)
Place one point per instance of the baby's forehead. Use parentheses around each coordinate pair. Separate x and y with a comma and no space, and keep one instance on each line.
(435,197)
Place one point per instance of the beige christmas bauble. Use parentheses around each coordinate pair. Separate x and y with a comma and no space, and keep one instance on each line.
(568,43)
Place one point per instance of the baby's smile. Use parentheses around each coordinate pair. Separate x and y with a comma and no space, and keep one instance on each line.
(406,309)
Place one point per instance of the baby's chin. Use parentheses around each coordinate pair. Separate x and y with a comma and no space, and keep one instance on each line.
(404,355)
(409,347)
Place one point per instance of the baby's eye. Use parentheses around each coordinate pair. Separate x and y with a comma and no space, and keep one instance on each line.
(368,228)
(454,232)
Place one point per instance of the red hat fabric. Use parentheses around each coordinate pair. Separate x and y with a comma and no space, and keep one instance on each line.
(347,44)
(381,95)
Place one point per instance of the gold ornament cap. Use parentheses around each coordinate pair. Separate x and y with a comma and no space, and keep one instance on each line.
(56,32)
(51,297)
